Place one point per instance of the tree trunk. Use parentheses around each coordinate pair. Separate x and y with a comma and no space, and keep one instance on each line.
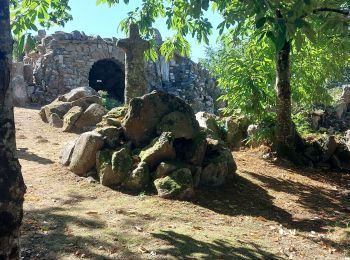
(12,187)
(284,132)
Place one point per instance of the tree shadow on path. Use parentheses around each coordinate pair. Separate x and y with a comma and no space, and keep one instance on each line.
(47,234)
(185,247)
(240,196)
(23,154)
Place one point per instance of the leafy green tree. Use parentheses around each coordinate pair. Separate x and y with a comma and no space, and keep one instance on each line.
(246,72)
(288,24)
(25,14)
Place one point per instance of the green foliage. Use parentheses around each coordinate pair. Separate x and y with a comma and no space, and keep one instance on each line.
(107,101)
(266,131)
(27,14)
(246,72)
(302,123)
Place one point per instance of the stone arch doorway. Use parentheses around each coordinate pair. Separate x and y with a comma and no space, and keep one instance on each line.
(108,75)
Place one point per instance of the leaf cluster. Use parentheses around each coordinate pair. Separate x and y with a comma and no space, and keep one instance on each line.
(26,15)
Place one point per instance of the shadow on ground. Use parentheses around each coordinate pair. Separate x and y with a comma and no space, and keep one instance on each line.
(23,154)
(47,234)
(240,196)
(184,247)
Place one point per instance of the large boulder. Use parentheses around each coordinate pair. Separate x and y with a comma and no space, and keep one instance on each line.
(55,121)
(178,185)
(122,164)
(145,113)
(58,107)
(112,135)
(92,115)
(236,131)
(328,145)
(219,164)
(164,169)
(182,125)
(138,179)
(71,117)
(209,123)
(160,150)
(85,102)
(78,93)
(84,154)
(114,117)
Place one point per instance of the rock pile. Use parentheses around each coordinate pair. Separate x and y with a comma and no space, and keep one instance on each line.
(335,118)
(80,109)
(156,141)
(326,152)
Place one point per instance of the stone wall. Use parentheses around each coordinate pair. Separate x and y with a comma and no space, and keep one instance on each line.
(64,60)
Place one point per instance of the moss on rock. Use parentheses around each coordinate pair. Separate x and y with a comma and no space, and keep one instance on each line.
(122,163)
(178,185)
(160,149)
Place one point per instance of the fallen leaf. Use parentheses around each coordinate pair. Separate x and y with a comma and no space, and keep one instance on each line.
(139,229)
(143,250)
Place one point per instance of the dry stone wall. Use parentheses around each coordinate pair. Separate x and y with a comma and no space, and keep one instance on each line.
(64,60)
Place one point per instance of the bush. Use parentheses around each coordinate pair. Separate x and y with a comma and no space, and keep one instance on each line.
(107,101)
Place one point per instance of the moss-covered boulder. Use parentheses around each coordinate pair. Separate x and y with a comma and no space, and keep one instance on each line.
(161,149)
(138,179)
(145,113)
(164,169)
(114,117)
(182,125)
(117,112)
(178,185)
(112,135)
(209,123)
(122,164)
(71,117)
(104,168)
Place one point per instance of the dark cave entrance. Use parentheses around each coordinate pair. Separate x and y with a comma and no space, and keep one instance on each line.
(108,75)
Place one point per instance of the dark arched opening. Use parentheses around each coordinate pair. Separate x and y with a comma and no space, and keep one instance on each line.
(108,75)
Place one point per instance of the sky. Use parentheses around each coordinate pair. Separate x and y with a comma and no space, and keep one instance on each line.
(102,20)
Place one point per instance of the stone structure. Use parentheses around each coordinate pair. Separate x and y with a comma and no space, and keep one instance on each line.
(65,61)
(135,77)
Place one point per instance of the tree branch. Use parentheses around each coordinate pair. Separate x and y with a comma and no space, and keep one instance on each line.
(333,10)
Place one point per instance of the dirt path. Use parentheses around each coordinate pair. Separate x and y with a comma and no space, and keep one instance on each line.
(266,212)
